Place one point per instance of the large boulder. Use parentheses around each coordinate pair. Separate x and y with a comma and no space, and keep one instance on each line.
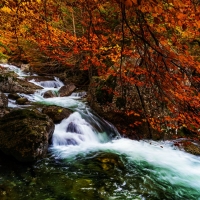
(67,90)
(24,134)
(56,113)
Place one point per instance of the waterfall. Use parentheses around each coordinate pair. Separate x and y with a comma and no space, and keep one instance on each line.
(17,70)
(76,131)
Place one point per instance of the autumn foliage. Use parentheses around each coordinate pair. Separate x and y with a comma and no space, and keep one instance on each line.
(149,45)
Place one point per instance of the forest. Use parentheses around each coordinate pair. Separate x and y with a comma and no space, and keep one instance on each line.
(142,57)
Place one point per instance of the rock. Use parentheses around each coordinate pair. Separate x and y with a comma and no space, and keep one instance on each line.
(9,83)
(24,134)
(193,149)
(13,96)
(49,94)
(67,90)
(22,101)
(56,113)
(3,100)
(25,67)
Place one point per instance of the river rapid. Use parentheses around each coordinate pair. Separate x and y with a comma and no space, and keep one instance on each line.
(89,160)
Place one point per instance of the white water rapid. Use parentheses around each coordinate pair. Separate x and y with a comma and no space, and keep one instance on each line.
(159,164)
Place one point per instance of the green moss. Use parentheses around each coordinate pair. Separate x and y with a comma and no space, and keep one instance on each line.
(22,114)
(22,132)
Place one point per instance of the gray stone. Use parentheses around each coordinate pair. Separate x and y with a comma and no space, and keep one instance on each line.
(56,113)
(49,94)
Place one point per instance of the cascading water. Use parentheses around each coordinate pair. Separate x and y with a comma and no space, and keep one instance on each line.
(17,70)
(83,165)
(56,83)
(76,131)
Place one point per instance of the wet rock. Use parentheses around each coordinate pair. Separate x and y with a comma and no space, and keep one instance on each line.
(67,90)
(10,83)
(24,134)
(56,113)
(22,101)
(49,94)
(191,147)
(13,96)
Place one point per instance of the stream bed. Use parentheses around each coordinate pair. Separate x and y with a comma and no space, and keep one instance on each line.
(89,160)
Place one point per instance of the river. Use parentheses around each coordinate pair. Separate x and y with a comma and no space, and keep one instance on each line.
(89,160)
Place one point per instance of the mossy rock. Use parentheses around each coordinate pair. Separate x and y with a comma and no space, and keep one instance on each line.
(56,113)
(24,134)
